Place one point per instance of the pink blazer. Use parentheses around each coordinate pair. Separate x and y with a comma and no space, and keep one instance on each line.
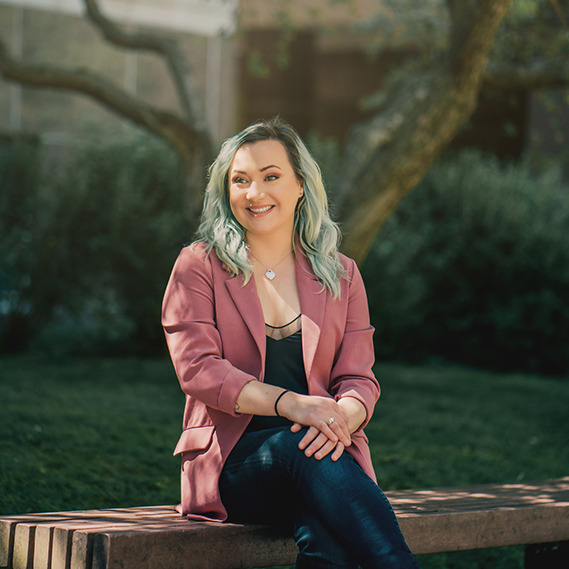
(216,335)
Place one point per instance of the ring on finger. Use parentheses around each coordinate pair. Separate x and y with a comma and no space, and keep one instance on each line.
(331,420)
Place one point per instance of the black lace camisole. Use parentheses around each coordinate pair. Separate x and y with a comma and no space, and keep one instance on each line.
(284,366)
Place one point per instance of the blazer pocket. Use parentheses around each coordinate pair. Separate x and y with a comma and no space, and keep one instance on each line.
(195,438)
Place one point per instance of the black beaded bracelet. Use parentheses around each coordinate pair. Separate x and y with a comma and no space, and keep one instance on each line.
(278,399)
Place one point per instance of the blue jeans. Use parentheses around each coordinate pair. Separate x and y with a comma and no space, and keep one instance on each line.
(340,518)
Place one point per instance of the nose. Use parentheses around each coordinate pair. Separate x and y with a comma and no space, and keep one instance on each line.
(254,192)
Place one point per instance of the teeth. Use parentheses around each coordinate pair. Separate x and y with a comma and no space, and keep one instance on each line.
(260,209)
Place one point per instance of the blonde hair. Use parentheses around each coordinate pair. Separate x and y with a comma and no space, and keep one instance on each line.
(319,236)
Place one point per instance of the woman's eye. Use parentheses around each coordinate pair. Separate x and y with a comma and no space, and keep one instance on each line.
(239,181)
(271,177)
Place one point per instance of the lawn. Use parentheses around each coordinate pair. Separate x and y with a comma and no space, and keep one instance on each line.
(95,433)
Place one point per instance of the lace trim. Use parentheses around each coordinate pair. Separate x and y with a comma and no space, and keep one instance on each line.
(280,332)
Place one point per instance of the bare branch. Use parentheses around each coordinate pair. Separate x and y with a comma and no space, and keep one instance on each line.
(164,46)
(164,124)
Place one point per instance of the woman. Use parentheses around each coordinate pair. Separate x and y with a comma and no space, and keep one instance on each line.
(268,328)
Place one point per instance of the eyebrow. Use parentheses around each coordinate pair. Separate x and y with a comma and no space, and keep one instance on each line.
(261,170)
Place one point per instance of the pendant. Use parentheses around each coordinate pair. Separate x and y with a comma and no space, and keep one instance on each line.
(270,274)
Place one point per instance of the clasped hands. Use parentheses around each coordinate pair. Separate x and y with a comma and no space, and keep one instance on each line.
(330,423)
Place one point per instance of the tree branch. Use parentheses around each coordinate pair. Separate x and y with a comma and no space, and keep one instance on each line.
(164,124)
(167,48)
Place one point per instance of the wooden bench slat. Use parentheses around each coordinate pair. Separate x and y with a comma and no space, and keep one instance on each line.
(24,545)
(8,532)
(42,546)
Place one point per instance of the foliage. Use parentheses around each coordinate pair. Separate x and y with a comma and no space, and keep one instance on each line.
(533,29)
(326,151)
(111,220)
(99,433)
(473,267)
(534,33)
(26,256)
(403,25)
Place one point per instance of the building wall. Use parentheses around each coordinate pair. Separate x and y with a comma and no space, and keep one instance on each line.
(72,42)
(321,86)
(263,14)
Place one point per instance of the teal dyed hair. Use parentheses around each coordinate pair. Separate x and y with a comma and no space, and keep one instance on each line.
(318,234)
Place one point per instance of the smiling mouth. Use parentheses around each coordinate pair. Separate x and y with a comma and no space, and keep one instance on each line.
(260,209)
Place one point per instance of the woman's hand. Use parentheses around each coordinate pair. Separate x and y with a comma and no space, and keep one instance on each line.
(317,444)
(327,422)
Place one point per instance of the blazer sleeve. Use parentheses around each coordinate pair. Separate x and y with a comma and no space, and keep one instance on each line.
(352,374)
(188,318)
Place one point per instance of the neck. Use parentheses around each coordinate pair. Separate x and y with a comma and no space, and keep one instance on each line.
(269,251)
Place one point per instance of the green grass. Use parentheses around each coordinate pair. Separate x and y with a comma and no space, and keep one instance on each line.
(100,433)
(453,426)
(87,434)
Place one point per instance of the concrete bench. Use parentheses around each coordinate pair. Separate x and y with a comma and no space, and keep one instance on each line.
(435,520)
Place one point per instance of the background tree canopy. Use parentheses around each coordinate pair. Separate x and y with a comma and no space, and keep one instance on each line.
(384,161)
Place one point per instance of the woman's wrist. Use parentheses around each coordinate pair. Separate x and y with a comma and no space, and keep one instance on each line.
(355,410)
(287,403)
(277,401)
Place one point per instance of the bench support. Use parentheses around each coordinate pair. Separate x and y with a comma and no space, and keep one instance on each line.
(547,555)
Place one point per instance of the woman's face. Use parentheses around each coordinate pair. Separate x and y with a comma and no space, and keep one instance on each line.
(264,190)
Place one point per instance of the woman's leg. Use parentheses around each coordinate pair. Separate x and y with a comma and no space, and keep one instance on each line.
(253,490)
(317,548)
(264,470)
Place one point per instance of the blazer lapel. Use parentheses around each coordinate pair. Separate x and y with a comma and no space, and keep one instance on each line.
(248,304)
(312,306)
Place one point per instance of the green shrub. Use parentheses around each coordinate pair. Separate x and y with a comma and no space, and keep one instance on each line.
(23,307)
(132,210)
(473,267)
(112,221)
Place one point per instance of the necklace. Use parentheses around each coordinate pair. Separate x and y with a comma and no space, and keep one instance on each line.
(270,273)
